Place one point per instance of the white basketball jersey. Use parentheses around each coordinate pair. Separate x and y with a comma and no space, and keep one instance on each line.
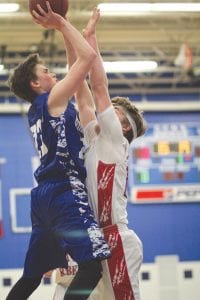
(106,164)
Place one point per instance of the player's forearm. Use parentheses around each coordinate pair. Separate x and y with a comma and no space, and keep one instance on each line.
(80,45)
(70,53)
(85,104)
(97,74)
(84,97)
(101,98)
(99,83)
(68,86)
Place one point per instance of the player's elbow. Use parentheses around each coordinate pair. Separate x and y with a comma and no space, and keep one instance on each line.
(91,56)
(88,60)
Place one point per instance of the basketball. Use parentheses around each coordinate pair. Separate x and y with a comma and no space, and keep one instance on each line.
(58,6)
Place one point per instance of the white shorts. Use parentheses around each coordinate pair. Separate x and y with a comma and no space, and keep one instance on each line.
(120,272)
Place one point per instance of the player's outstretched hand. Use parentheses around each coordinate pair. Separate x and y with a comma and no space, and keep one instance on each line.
(91,26)
(48,19)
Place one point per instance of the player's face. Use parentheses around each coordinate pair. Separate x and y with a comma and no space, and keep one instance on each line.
(45,78)
(120,113)
(123,119)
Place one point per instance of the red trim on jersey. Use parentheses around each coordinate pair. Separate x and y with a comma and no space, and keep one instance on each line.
(117,265)
(105,178)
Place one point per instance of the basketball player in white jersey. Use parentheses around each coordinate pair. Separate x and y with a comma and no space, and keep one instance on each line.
(107,138)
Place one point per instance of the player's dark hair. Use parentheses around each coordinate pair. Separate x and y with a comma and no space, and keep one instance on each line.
(134,113)
(19,80)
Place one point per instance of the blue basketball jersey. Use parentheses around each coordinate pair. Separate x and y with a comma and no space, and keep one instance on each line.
(58,141)
(62,221)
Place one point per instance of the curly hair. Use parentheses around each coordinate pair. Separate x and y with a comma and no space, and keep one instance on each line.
(19,80)
(134,113)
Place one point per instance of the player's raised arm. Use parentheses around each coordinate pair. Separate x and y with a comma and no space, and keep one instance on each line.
(98,78)
(83,96)
(85,56)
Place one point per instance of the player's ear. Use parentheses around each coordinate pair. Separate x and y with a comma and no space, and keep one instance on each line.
(34,84)
(126,127)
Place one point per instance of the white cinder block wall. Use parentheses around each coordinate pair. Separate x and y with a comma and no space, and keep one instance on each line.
(166,279)
(169,279)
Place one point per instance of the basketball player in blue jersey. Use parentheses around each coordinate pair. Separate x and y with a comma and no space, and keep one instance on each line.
(62,221)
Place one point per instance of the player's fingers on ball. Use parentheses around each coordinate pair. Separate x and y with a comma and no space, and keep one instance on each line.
(35,15)
(48,6)
(41,10)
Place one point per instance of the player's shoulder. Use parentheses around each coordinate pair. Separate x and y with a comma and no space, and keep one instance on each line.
(38,107)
